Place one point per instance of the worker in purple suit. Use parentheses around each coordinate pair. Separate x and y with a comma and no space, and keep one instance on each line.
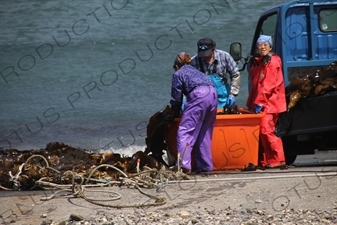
(198,118)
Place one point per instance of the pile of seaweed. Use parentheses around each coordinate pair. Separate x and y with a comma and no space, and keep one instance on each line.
(322,81)
(62,168)
(19,170)
(60,164)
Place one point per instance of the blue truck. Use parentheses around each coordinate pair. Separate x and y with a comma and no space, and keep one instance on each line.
(304,35)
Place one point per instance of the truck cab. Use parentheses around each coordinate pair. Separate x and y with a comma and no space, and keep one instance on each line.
(304,34)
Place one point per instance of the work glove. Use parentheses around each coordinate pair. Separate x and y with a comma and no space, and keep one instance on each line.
(230,101)
(258,108)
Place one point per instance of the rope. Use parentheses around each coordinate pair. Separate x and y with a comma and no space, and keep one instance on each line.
(6,189)
(105,165)
(15,178)
(39,156)
(158,201)
(79,187)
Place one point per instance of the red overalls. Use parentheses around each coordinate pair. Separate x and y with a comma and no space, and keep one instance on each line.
(267,89)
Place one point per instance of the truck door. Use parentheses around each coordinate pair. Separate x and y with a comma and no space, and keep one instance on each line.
(267,25)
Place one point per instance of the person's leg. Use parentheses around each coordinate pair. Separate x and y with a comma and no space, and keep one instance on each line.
(185,137)
(203,152)
(264,132)
(262,161)
(272,145)
(189,128)
(276,145)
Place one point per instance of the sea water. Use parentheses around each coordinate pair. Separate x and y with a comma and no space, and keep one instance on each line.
(90,74)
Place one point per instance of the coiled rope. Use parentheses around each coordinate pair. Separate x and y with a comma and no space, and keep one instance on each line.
(79,186)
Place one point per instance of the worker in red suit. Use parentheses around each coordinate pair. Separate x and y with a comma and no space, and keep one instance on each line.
(267,95)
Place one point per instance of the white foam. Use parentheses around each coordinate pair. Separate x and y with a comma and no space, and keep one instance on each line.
(125,151)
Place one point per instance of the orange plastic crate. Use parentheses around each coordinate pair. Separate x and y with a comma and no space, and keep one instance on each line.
(235,140)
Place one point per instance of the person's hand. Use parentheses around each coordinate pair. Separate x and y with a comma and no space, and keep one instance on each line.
(230,101)
(258,108)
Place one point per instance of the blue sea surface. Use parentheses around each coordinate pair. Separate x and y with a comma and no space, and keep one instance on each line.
(90,74)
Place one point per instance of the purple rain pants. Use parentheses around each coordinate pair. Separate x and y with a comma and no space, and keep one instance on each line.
(196,128)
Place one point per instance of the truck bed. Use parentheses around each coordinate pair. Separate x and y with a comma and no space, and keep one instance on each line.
(310,115)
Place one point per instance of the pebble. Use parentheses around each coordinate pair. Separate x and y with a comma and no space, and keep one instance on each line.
(227,216)
(76,217)
(184,214)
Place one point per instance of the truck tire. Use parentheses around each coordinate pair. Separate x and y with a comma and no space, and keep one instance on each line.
(290,145)
(290,159)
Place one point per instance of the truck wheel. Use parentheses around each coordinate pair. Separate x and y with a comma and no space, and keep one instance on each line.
(292,147)
(289,144)
(290,159)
